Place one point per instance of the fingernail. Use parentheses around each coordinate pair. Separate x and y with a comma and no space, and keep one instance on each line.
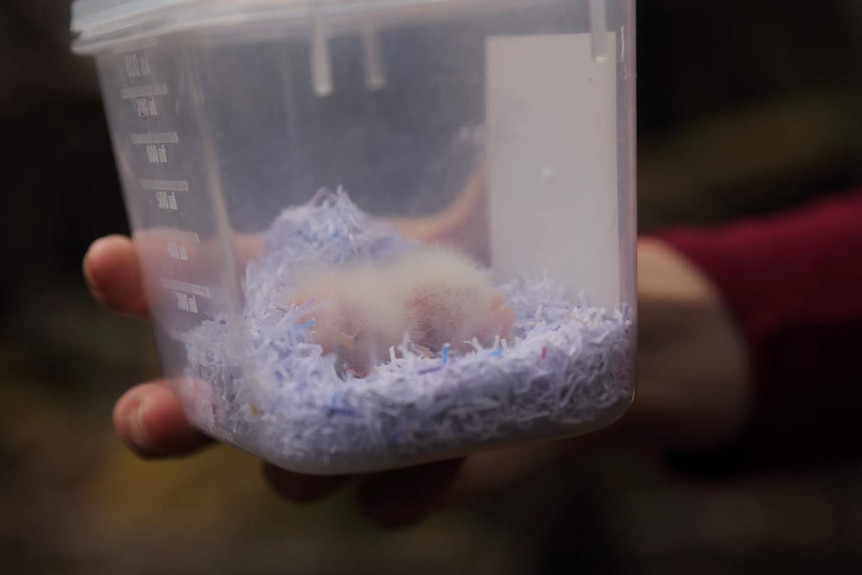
(136,428)
(86,269)
(94,247)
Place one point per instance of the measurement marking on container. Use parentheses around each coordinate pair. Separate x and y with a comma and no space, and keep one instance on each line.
(146,107)
(177,251)
(185,287)
(179,235)
(167,185)
(157,154)
(137,65)
(143,91)
(186,302)
(155,138)
(166,201)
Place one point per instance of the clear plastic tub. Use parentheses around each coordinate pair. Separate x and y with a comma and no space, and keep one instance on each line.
(377,233)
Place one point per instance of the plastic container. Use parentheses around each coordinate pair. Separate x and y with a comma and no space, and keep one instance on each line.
(376,233)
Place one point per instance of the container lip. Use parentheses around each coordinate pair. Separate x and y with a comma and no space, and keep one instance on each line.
(103,24)
(88,15)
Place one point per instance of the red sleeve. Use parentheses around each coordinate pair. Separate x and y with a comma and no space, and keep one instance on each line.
(794,283)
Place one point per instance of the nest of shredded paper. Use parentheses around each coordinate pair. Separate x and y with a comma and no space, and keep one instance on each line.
(567,367)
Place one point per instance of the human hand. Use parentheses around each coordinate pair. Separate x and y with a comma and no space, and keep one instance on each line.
(149,418)
(694,385)
(693,392)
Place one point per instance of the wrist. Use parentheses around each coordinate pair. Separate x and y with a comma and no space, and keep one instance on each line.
(694,385)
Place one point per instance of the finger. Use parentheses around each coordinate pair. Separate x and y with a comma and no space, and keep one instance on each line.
(150,421)
(456,222)
(402,497)
(490,475)
(301,488)
(247,247)
(113,277)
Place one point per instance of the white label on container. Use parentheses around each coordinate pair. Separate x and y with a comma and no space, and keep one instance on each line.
(552,162)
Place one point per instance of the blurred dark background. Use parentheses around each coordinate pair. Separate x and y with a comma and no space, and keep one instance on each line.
(744,107)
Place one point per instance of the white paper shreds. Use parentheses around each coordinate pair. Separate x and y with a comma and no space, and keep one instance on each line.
(568,366)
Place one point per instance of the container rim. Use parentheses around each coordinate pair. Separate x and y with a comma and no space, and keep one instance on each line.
(88,15)
(103,24)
